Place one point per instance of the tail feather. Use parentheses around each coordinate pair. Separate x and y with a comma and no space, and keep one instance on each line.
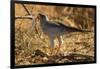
(72,29)
(79,30)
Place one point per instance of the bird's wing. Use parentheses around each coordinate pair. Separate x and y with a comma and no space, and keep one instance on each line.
(64,27)
(55,23)
(52,24)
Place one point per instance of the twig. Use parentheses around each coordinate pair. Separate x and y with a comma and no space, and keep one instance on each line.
(26,9)
(30,42)
(23,17)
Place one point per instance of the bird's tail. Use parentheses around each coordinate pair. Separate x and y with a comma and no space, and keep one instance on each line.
(79,30)
(72,29)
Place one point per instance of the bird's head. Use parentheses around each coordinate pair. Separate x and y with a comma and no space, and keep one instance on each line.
(41,17)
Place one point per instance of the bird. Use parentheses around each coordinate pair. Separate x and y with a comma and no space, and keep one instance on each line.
(54,29)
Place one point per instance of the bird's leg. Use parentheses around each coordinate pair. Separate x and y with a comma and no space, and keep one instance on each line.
(51,51)
(60,42)
(52,45)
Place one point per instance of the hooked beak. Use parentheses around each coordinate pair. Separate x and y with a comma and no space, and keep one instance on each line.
(37,18)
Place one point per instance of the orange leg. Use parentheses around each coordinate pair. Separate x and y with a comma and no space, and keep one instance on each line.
(52,45)
(58,49)
(52,51)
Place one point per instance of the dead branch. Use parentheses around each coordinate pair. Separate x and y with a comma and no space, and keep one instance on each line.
(30,16)
(23,17)
(26,9)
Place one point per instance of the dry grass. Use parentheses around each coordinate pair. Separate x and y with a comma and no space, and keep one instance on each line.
(33,48)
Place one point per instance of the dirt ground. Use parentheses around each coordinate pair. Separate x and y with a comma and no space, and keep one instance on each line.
(76,47)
